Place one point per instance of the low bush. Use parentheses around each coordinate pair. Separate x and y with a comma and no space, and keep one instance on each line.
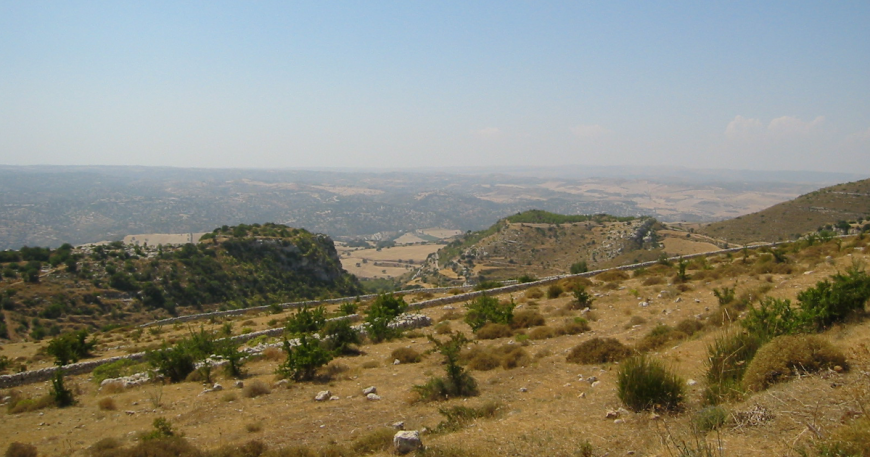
(659,336)
(485,309)
(17,449)
(645,384)
(542,333)
(61,395)
(788,355)
(527,318)
(851,439)
(107,404)
(612,276)
(256,388)
(727,359)
(653,281)
(306,320)
(582,298)
(459,416)
(379,440)
(710,418)
(341,338)
(303,359)
(443,328)
(382,312)
(534,293)
(574,326)
(507,356)
(492,331)
(457,382)
(690,326)
(555,291)
(598,350)
(406,355)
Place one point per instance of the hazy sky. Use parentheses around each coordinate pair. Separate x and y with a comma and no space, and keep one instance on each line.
(757,85)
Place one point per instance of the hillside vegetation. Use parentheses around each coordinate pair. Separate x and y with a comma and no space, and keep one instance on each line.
(843,208)
(45,291)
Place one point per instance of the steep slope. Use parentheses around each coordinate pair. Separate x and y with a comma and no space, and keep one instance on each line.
(45,291)
(823,209)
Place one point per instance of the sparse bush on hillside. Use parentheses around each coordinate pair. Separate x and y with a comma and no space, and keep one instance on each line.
(256,388)
(380,314)
(527,318)
(534,293)
(725,296)
(598,350)
(71,347)
(306,320)
(659,336)
(542,333)
(458,416)
(645,384)
(727,359)
(17,449)
(690,326)
(303,359)
(582,299)
(787,355)
(340,337)
(612,276)
(492,331)
(555,291)
(485,308)
(507,356)
(406,355)
(579,267)
(457,382)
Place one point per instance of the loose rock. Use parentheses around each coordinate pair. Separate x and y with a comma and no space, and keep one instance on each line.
(407,441)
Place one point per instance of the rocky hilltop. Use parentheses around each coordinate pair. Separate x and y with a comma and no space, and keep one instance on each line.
(47,290)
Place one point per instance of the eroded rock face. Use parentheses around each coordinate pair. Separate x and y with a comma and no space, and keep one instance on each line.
(406,441)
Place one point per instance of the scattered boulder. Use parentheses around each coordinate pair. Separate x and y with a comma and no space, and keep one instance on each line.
(241,385)
(399,425)
(406,441)
(323,395)
(373,397)
(370,390)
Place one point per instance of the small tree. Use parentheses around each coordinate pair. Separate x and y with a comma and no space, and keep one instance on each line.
(458,382)
(579,267)
(71,347)
(173,362)
(582,298)
(62,396)
(380,314)
(306,320)
(643,383)
(304,359)
(485,308)
(340,337)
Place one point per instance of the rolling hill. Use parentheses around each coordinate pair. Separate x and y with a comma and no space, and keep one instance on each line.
(842,207)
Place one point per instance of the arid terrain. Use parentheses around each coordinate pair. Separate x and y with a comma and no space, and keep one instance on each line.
(544,405)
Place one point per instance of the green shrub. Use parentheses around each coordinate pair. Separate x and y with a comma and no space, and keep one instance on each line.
(485,308)
(457,382)
(486,285)
(162,429)
(643,384)
(306,320)
(115,369)
(61,395)
(575,326)
(710,418)
(725,296)
(830,302)
(582,299)
(579,267)
(71,347)
(786,355)
(340,337)
(304,359)
(727,359)
(348,308)
(598,350)
(527,318)
(554,291)
(172,362)
(774,317)
(380,314)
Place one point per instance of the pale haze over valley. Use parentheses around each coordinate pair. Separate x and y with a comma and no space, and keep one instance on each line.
(703,85)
